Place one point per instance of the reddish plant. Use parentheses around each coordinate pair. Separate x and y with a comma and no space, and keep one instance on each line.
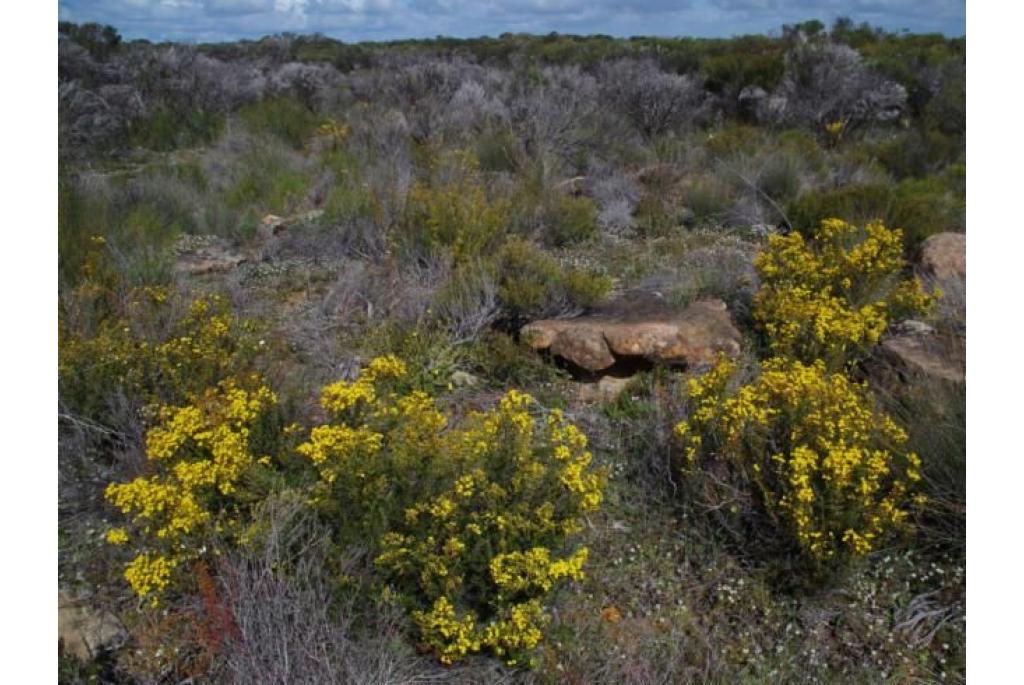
(219,621)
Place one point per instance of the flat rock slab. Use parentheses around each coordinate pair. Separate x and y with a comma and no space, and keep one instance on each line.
(201,255)
(639,327)
(85,632)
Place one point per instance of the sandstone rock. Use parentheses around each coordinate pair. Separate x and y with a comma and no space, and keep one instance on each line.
(86,632)
(926,355)
(271,226)
(944,256)
(606,389)
(583,345)
(462,379)
(639,327)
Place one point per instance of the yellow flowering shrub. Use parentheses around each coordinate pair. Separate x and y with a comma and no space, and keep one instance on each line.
(472,517)
(197,457)
(150,352)
(827,467)
(827,297)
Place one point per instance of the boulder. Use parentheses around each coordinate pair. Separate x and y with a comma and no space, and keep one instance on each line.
(86,632)
(925,355)
(462,379)
(944,256)
(639,328)
(271,226)
(606,389)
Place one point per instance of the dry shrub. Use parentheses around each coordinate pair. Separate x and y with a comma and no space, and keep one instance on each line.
(291,628)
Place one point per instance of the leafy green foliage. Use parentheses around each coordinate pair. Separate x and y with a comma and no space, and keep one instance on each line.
(282,117)
(531,283)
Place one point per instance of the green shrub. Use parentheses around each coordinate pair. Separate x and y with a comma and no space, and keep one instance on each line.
(857,204)
(570,220)
(532,283)
(923,207)
(733,139)
(708,198)
(497,151)
(919,207)
(270,182)
(345,202)
(655,216)
(282,117)
(453,215)
(137,235)
(780,177)
(804,144)
(917,152)
(503,361)
(166,129)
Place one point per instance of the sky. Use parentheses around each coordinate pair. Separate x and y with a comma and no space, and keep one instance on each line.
(357,20)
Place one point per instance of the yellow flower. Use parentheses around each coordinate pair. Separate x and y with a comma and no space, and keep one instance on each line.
(117,536)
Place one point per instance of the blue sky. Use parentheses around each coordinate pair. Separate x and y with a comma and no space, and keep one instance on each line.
(354,20)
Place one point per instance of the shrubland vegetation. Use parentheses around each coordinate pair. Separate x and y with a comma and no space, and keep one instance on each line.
(329,458)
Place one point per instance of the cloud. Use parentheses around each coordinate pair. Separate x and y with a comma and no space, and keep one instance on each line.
(353,20)
(237,7)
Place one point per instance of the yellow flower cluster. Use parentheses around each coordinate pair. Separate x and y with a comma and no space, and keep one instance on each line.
(470,518)
(150,574)
(826,298)
(834,130)
(203,347)
(341,396)
(517,572)
(826,461)
(334,132)
(453,637)
(200,453)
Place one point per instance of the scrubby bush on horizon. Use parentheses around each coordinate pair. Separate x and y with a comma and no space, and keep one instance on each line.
(655,101)
(826,83)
